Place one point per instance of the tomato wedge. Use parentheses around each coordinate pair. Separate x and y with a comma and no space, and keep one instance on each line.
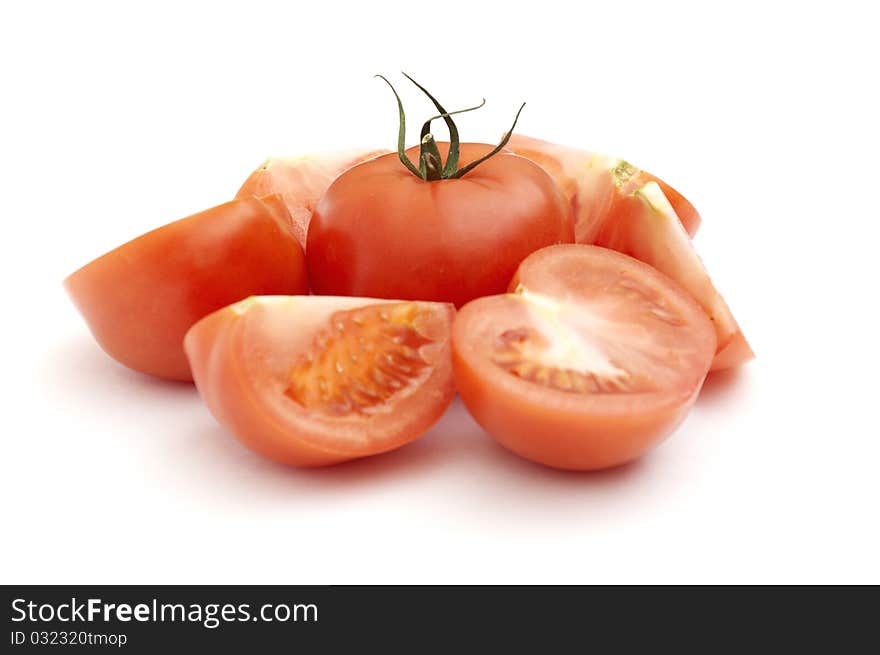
(141,298)
(317,380)
(302,181)
(593,359)
(591,182)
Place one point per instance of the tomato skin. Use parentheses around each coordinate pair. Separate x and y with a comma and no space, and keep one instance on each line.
(140,299)
(301,181)
(568,430)
(240,356)
(380,231)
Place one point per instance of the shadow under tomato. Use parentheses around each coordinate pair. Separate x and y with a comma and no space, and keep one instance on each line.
(489,485)
(454,468)
(455,472)
(723,385)
(78,366)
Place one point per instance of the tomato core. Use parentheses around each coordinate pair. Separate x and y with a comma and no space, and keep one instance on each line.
(522,352)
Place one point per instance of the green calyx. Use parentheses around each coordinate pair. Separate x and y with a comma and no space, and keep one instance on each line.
(431,166)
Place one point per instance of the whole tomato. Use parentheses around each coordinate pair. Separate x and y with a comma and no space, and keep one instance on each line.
(380,231)
(452,228)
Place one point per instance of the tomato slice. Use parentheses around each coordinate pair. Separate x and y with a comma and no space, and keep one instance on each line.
(592,182)
(317,380)
(141,298)
(302,181)
(593,359)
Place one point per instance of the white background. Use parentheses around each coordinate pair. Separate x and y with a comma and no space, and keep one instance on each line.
(118,118)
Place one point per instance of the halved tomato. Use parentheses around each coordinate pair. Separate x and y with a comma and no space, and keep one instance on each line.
(302,181)
(591,183)
(141,298)
(317,380)
(593,358)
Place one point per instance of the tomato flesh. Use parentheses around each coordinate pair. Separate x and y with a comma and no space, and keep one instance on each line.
(592,360)
(301,181)
(316,380)
(140,299)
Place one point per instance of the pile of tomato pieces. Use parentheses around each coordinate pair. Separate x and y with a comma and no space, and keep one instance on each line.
(556,290)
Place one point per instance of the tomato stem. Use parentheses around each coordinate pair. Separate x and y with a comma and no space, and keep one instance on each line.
(430,162)
(427,141)
(431,166)
(453,151)
(495,150)
(454,140)
(427,126)
(401,132)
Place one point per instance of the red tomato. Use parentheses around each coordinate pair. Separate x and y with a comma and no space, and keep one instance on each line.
(620,207)
(593,359)
(644,225)
(381,231)
(302,181)
(591,183)
(316,380)
(141,298)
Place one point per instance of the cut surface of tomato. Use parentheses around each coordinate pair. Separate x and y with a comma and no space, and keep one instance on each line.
(301,181)
(140,299)
(317,380)
(591,360)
